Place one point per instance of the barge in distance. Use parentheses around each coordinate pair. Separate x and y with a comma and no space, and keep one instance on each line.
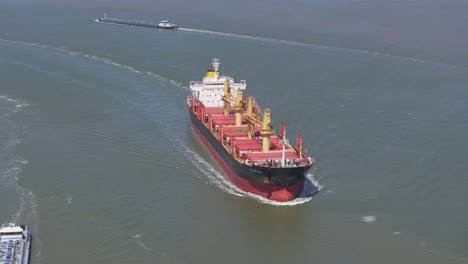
(241,139)
(163,24)
(15,244)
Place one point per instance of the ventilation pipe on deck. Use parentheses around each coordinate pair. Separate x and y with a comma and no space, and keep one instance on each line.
(266,130)
(299,145)
(250,106)
(227,97)
(239,108)
(250,116)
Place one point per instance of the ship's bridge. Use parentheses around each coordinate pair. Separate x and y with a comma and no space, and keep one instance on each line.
(210,91)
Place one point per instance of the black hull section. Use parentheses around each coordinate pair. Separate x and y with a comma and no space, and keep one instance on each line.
(281,177)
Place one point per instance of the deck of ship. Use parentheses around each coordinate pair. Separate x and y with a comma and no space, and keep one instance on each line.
(12,252)
(245,147)
(14,244)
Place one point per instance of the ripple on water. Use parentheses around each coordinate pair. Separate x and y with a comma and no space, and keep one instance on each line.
(369,219)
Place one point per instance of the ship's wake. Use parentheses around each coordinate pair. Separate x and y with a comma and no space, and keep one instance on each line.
(308,45)
(140,242)
(98,59)
(256,38)
(11,166)
(212,175)
(291,43)
(217,178)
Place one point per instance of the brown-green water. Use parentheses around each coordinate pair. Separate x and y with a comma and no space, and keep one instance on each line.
(97,154)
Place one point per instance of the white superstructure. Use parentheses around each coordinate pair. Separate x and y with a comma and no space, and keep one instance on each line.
(166,24)
(15,242)
(210,91)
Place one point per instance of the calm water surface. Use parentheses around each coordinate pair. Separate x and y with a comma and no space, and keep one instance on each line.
(97,154)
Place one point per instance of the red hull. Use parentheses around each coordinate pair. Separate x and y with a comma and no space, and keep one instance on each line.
(272,192)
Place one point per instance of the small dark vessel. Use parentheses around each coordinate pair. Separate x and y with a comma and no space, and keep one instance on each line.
(163,24)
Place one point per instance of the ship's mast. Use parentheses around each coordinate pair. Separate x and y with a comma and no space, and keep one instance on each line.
(266,130)
(250,117)
(299,145)
(216,64)
(284,141)
(239,107)
(227,98)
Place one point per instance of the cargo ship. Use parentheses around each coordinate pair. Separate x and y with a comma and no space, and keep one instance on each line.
(15,243)
(163,24)
(241,138)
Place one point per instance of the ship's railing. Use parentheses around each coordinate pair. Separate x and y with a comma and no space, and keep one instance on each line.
(227,146)
(277,163)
